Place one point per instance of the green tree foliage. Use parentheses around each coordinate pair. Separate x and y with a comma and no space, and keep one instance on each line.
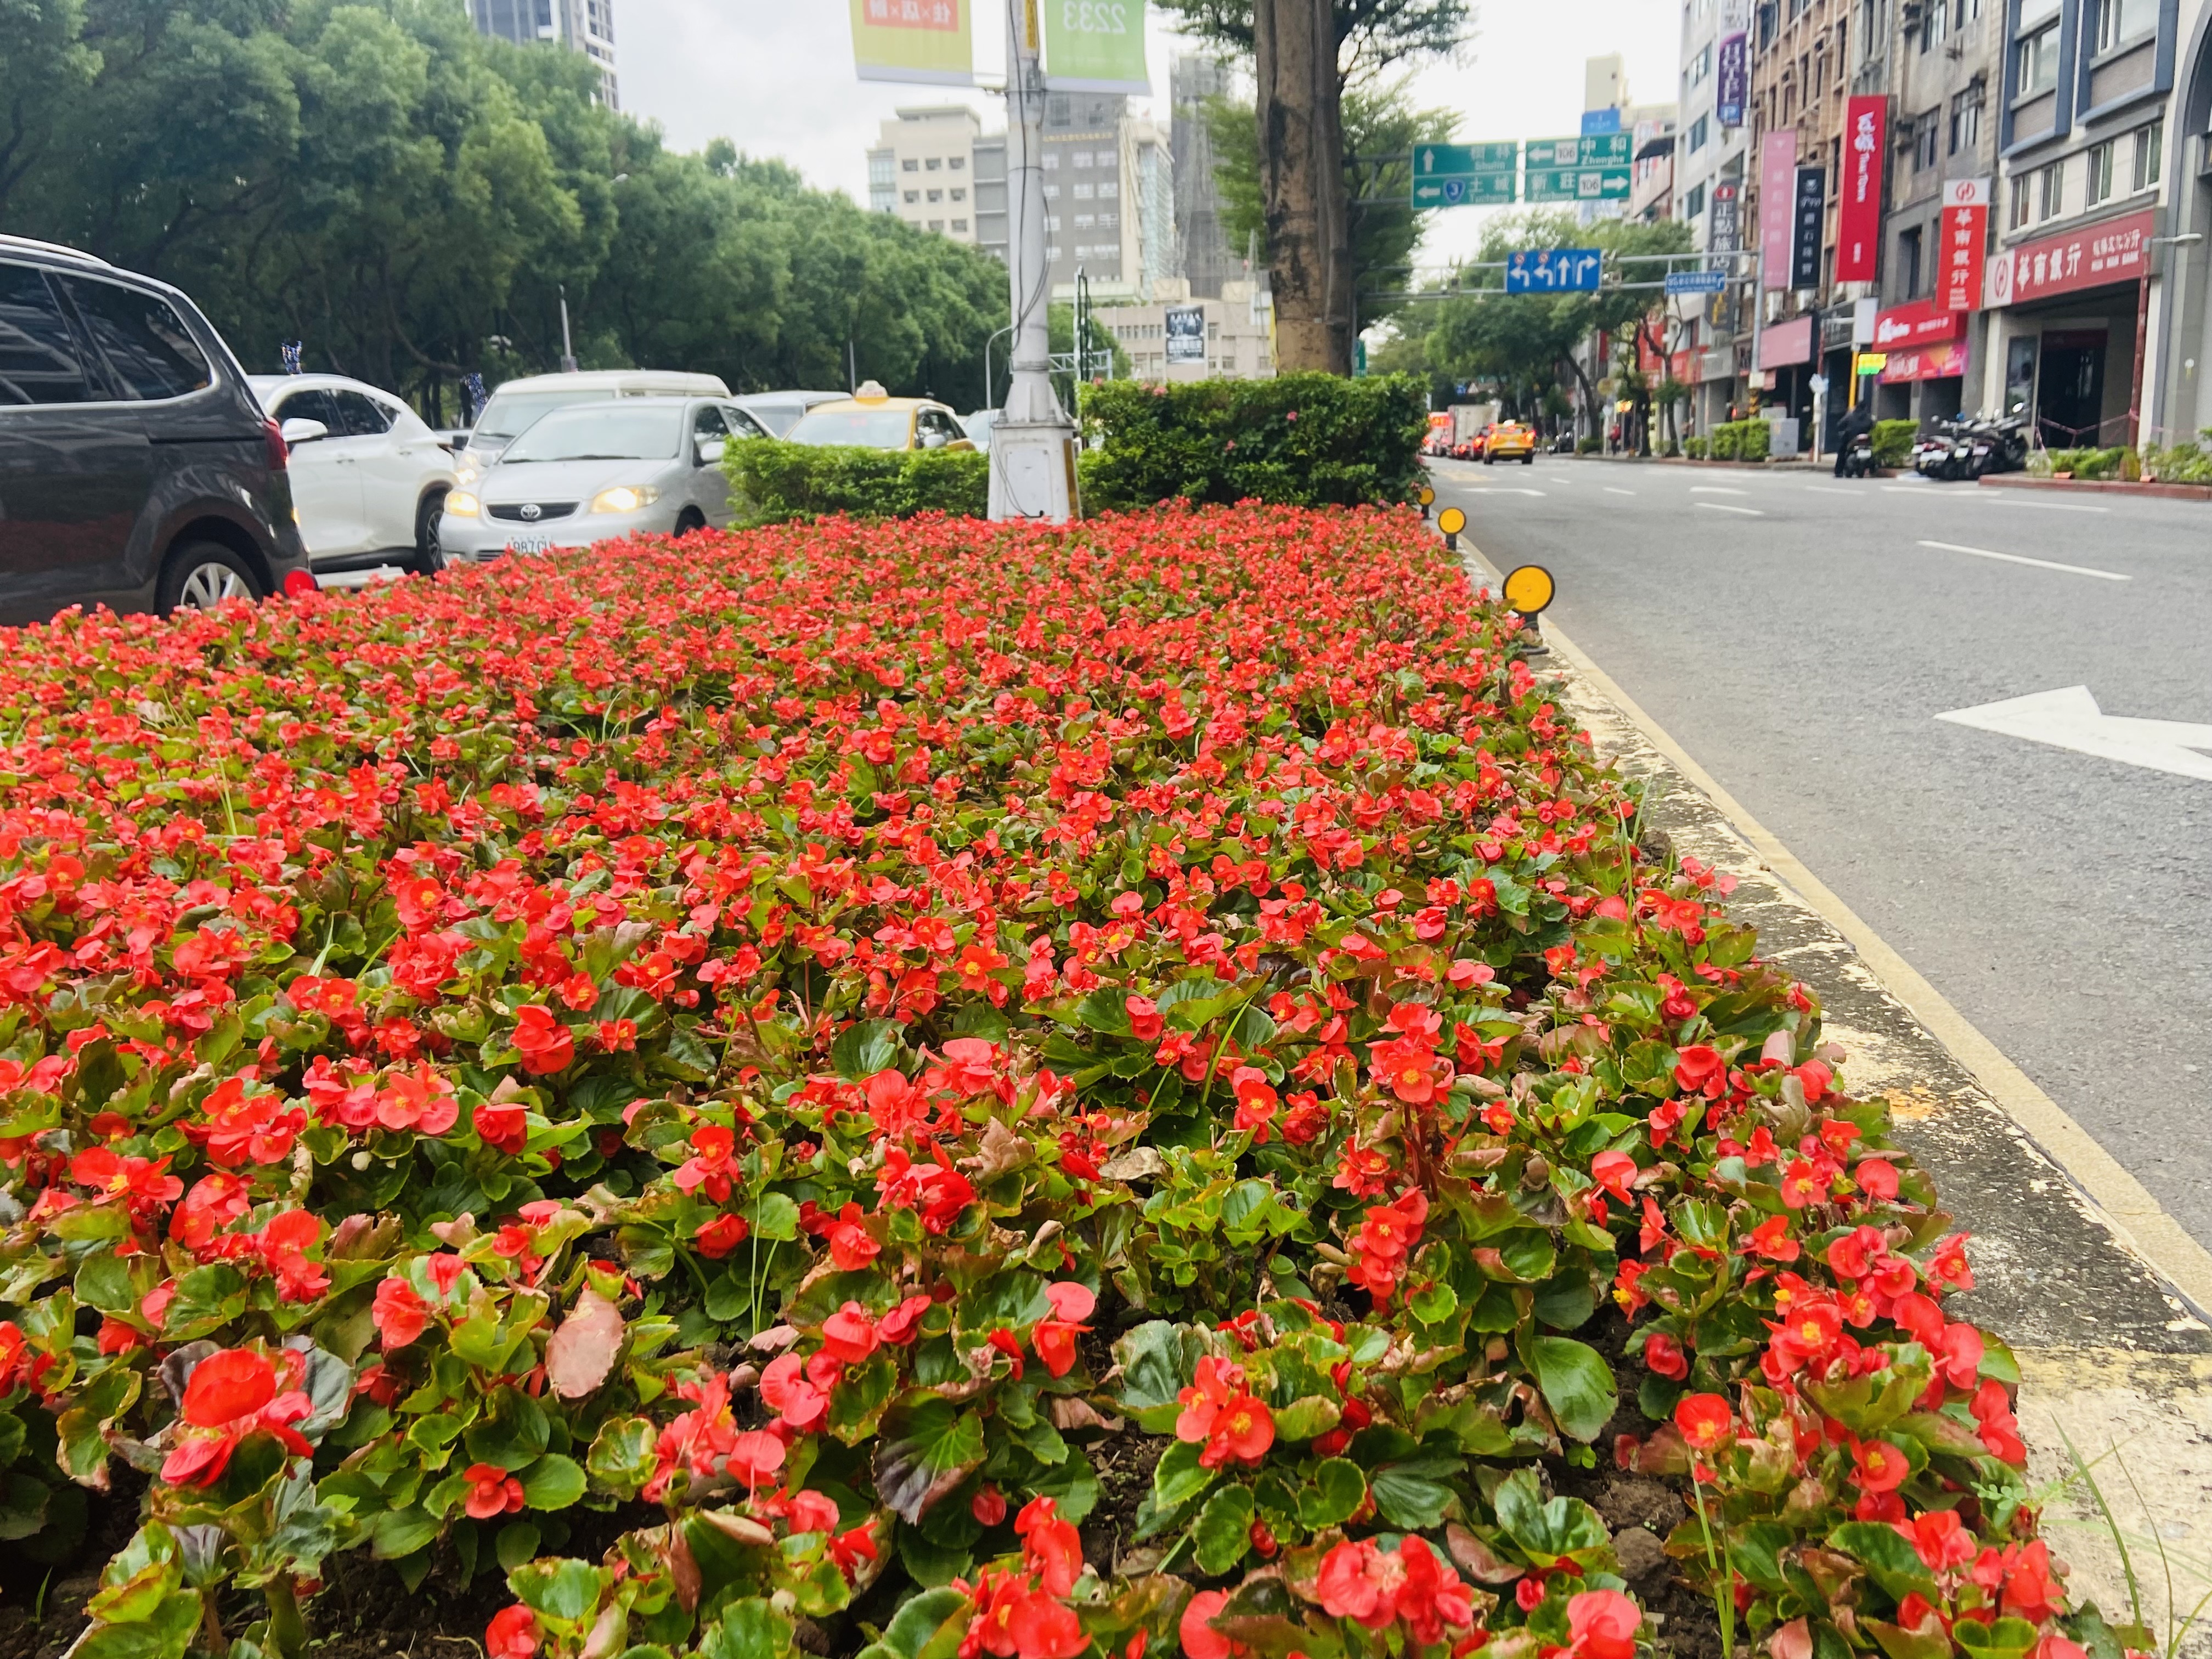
(1378,120)
(1373,36)
(1525,344)
(410,200)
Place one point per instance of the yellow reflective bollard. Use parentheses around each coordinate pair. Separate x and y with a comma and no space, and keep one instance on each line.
(1451,521)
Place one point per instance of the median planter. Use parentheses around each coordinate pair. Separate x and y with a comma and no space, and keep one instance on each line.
(914,1089)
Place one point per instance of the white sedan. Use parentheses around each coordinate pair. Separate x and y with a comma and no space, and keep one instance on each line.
(369,478)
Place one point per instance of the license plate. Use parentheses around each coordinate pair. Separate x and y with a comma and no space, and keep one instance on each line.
(529,544)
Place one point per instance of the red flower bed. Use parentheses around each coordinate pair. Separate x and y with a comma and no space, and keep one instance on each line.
(829,1037)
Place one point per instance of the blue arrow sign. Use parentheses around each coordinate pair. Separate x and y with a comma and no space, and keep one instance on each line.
(1552,270)
(1696,282)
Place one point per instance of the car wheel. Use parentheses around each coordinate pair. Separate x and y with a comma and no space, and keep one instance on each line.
(691,518)
(1529,460)
(201,576)
(429,556)
(1490,460)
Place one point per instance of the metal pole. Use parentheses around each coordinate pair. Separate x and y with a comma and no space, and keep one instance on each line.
(568,352)
(1033,444)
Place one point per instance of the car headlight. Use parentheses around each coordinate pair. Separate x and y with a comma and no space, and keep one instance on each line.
(460,504)
(624,498)
(466,470)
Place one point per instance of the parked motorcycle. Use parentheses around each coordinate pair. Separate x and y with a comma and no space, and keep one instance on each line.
(1859,456)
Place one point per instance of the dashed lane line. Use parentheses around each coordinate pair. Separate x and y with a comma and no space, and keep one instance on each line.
(1722,506)
(2021,558)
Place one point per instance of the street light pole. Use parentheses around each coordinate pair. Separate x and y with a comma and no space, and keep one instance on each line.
(1033,444)
(568,350)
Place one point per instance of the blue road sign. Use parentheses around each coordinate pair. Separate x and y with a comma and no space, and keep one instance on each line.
(1696,282)
(1552,270)
(1601,120)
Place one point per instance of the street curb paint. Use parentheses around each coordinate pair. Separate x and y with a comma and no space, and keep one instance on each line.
(2130,1211)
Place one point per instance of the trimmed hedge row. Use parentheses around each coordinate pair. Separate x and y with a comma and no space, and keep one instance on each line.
(772,482)
(1741,440)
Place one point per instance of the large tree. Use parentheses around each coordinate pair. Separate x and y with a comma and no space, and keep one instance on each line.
(1304,54)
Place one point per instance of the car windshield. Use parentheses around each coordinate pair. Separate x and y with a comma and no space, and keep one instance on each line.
(601,432)
(873,428)
(511,412)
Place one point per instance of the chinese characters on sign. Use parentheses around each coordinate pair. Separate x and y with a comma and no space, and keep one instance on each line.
(922,40)
(1778,165)
(1937,362)
(1965,228)
(1732,72)
(1858,202)
(1724,227)
(1920,323)
(1808,221)
(1551,271)
(2112,252)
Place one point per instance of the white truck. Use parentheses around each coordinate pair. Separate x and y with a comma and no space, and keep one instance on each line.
(1470,421)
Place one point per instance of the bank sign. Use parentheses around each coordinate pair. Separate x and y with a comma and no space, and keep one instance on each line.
(2113,250)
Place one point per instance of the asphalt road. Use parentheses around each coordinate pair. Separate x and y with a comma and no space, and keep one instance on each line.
(1794,633)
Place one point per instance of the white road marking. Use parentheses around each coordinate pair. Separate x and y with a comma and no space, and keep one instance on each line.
(1496,489)
(1716,490)
(1829,489)
(1722,506)
(1997,500)
(2041,564)
(1610,490)
(2071,719)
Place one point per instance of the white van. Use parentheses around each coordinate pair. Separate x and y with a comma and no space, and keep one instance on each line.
(516,405)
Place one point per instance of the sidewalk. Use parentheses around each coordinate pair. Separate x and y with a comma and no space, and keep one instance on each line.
(2173,492)
(2113,1354)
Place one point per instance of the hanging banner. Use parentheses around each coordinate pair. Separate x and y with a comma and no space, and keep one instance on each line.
(1732,72)
(1858,193)
(1808,221)
(1778,172)
(1965,231)
(1094,45)
(1722,227)
(924,41)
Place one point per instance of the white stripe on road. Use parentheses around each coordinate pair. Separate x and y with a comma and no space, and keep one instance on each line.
(1717,489)
(1722,506)
(1610,490)
(2041,564)
(2048,506)
(1496,489)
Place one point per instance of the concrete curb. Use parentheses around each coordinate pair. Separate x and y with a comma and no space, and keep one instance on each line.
(2172,492)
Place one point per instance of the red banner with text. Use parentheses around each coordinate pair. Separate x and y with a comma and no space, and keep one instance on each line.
(1966,228)
(1858,193)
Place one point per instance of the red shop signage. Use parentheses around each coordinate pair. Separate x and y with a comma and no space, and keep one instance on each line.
(1964,228)
(2113,251)
(1858,200)
(1935,362)
(1918,323)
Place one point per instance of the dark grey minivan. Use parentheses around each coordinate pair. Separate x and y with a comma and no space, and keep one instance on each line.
(138,470)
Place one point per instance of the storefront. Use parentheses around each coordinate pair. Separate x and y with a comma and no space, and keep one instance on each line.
(1925,379)
(2063,308)
(1785,379)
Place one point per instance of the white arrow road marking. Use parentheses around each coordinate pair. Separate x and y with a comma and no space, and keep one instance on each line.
(2021,558)
(1716,490)
(1722,506)
(2071,720)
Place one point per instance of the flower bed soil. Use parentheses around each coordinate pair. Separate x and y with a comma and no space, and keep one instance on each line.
(936,1089)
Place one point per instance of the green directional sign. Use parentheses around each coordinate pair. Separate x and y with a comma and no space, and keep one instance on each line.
(1576,184)
(1594,149)
(1463,175)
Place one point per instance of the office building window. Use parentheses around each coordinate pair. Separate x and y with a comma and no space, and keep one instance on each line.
(933,163)
(1700,129)
(1926,131)
(960,225)
(2122,22)
(911,166)
(2099,184)
(1110,221)
(1693,202)
(1908,262)
(936,196)
(2050,189)
(937,224)
(2150,149)
(1107,190)
(880,172)
(1084,222)
(914,195)
(2022,194)
(1934,24)
(956,163)
(1965,122)
(1052,160)
(2035,51)
(1082,158)
(1701,65)
(1082,193)
(1052,192)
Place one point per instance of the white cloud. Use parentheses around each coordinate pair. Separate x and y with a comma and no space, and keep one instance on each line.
(776,77)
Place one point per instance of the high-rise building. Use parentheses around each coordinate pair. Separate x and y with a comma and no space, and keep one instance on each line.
(582,25)
(1707,196)
(1201,250)
(922,170)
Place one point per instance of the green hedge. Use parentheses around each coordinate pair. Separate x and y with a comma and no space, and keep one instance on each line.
(1299,439)
(1741,440)
(771,481)
(1588,445)
(1892,442)
(1696,448)
(2084,463)
(2187,462)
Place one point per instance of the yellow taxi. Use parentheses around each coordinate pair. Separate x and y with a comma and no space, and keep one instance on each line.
(871,419)
(1509,441)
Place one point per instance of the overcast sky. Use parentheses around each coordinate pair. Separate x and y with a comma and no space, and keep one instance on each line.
(776,77)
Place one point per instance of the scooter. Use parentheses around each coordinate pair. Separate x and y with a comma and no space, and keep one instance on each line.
(1859,456)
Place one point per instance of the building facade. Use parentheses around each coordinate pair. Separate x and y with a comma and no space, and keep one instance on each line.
(1232,326)
(583,26)
(922,170)
(1202,254)
(1709,165)
(2180,403)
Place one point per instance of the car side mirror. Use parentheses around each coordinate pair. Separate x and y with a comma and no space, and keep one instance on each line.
(710,452)
(933,440)
(300,431)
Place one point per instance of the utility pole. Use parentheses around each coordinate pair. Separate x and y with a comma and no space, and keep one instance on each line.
(1033,444)
(568,352)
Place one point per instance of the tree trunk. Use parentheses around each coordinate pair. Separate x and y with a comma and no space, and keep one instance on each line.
(1302,182)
